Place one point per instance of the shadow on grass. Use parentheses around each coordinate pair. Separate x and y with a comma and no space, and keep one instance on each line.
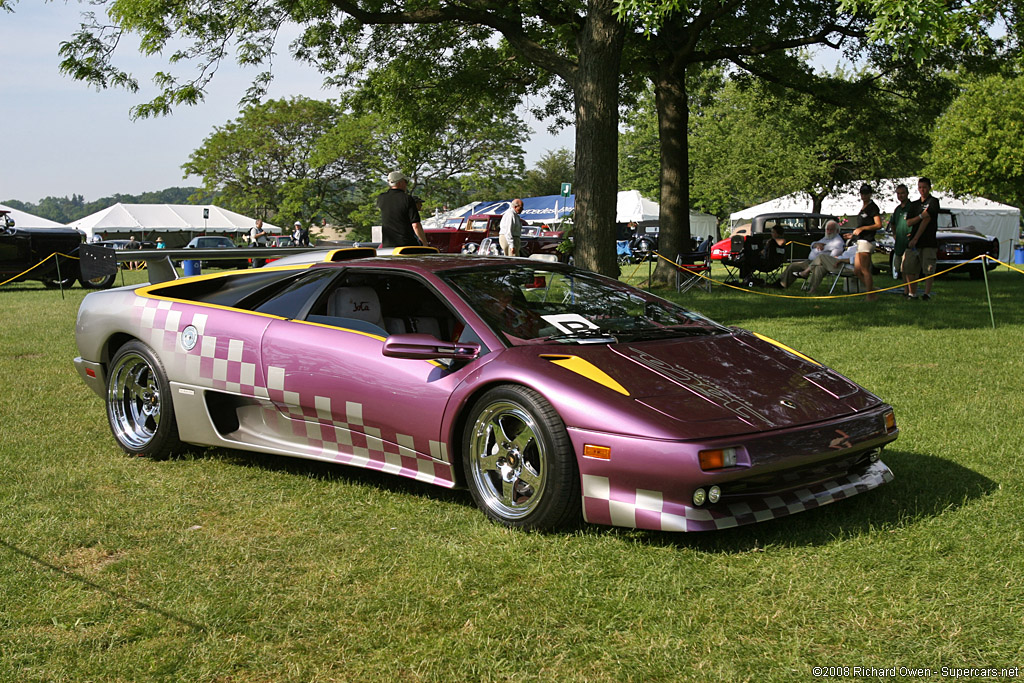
(925,487)
(959,303)
(335,472)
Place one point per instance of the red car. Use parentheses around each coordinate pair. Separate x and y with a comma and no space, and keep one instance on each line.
(464,235)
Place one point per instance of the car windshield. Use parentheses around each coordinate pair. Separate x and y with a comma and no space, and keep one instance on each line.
(533,305)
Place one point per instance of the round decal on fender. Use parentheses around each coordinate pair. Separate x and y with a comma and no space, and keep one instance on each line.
(189,337)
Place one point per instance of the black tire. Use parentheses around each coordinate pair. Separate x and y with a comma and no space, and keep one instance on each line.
(139,406)
(63,283)
(102,282)
(519,462)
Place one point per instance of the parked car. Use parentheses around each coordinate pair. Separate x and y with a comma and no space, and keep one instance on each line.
(956,246)
(799,228)
(533,240)
(42,254)
(463,235)
(217,242)
(552,394)
(119,244)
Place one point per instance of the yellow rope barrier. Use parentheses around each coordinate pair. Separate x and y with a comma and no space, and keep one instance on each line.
(835,296)
(26,272)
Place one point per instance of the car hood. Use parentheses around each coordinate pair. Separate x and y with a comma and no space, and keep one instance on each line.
(725,384)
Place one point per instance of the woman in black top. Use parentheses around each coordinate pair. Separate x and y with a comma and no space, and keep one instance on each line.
(868,221)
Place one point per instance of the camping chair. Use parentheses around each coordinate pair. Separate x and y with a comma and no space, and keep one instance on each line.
(772,261)
(623,253)
(760,254)
(734,262)
(694,268)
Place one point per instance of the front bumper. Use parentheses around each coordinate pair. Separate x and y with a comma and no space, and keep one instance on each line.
(649,484)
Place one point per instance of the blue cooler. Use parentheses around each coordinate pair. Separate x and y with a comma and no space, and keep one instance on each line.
(1018,254)
(192,268)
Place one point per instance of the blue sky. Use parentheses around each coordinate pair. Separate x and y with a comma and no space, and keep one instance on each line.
(62,137)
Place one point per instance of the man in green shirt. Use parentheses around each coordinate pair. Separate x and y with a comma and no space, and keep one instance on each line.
(901,231)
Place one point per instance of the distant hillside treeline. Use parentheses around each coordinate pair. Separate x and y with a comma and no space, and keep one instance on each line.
(66,210)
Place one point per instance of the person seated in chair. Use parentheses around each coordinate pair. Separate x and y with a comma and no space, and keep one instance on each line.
(826,263)
(764,260)
(831,243)
(753,260)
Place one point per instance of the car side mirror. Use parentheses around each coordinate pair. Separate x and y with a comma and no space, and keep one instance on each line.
(428,347)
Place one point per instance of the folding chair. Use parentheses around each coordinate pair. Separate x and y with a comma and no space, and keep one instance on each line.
(845,272)
(760,254)
(694,268)
(772,261)
(735,261)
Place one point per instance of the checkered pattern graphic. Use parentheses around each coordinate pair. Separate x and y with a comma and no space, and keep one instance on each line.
(644,509)
(230,363)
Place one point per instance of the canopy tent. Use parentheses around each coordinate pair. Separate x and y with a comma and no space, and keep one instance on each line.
(440,218)
(630,206)
(144,220)
(983,215)
(27,220)
(547,209)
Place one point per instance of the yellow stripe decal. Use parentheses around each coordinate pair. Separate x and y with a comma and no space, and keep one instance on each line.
(786,348)
(587,369)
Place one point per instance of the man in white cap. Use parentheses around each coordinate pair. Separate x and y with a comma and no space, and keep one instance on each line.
(399,217)
(511,229)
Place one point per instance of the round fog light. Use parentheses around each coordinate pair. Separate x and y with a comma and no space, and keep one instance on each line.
(714,493)
(699,496)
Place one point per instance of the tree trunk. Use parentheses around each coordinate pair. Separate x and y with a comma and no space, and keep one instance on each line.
(674,218)
(595,88)
(816,200)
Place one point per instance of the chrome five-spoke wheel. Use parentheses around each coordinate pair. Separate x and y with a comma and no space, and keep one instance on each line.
(519,462)
(138,402)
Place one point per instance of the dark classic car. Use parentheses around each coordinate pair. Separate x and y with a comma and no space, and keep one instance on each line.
(553,394)
(956,246)
(48,255)
(799,228)
(217,242)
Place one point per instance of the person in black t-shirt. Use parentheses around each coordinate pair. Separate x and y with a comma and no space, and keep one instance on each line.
(869,220)
(399,217)
(923,248)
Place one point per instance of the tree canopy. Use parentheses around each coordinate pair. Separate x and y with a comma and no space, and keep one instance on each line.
(579,43)
(976,145)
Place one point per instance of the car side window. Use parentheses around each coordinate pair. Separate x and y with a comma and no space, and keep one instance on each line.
(386,304)
(293,300)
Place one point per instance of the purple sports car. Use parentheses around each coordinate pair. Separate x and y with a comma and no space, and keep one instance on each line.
(553,394)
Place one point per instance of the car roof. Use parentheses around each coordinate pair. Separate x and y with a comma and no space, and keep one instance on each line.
(793,214)
(437,263)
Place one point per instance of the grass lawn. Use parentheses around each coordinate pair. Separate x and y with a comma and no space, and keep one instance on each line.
(230,566)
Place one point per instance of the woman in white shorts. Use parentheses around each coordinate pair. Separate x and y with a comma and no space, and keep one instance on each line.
(868,221)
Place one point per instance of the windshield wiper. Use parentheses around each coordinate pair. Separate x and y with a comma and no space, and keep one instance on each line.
(585,336)
(667,333)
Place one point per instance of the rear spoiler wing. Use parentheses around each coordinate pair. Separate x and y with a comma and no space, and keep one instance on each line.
(98,260)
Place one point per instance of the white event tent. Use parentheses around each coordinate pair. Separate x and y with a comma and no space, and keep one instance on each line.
(27,220)
(984,215)
(177,223)
(630,206)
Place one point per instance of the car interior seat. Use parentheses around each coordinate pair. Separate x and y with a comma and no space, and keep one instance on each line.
(357,304)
